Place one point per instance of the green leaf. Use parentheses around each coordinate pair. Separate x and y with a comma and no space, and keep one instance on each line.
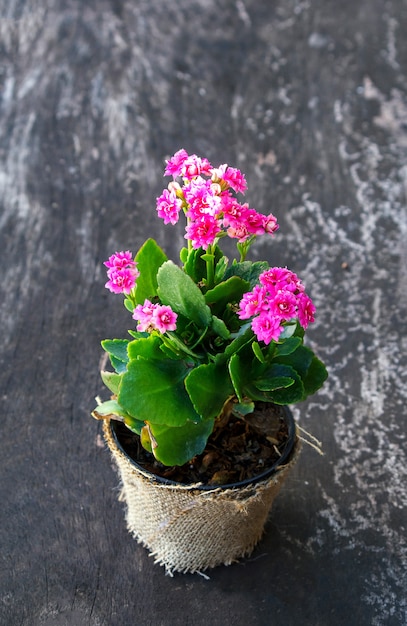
(248,271)
(110,407)
(289,330)
(243,339)
(209,386)
(179,291)
(282,395)
(257,351)
(146,347)
(271,384)
(137,334)
(194,265)
(240,409)
(238,375)
(220,328)
(300,360)
(228,292)
(132,424)
(112,381)
(220,269)
(183,255)
(116,348)
(287,346)
(315,377)
(118,365)
(176,446)
(149,259)
(154,391)
(129,305)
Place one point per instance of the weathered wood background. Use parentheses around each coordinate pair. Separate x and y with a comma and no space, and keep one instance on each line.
(309,98)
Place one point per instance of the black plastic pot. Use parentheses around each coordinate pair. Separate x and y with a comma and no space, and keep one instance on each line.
(118,429)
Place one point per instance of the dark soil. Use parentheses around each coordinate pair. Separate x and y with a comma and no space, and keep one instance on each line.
(238,449)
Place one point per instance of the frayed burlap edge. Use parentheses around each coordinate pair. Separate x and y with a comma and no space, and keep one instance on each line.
(190,530)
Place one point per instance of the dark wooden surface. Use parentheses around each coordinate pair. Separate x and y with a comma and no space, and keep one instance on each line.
(309,98)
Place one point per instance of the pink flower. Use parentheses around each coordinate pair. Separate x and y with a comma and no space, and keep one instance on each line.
(143,313)
(174,165)
(280,297)
(187,166)
(122,272)
(254,222)
(169,206)
(202,232)
(195,166)
(122,280)
(284,305)
(267,327)
(239,232)
(252,303)
(154,317)
(233,212)
(202,197)
(279,279)
(270,224)
(164,318)
(120,259)
(230,175)
(306,310)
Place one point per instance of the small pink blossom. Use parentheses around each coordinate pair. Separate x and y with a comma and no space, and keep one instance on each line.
(122,280)
(202,198)
(306,310)
(175,163)
(280,278)
(120,259)
(143,313)
(252,303)
(187,166)
(154,317)
(202,233)
(267,327)
(195,166)
(231,176)
(122,272)
(270,224)
(169,206)
(164,318)
(233,212)
(280,297)
(254,222)
(284,305)
(239,232)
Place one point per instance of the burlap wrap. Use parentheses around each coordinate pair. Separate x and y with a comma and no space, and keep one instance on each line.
(189,530)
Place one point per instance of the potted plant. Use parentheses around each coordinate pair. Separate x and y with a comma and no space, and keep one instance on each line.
(198,420)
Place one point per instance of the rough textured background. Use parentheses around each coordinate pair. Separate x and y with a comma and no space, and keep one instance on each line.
(309,98)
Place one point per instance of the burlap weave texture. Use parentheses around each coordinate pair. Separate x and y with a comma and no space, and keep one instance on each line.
(190,530)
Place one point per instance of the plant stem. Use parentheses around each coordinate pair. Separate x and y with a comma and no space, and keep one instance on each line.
(210,267)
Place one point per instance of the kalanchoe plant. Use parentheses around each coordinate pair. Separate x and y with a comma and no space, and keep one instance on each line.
(210,335)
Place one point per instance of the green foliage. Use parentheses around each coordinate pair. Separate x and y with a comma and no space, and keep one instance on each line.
(176,446)
(154,391)
(149,259)
(209,386)
(179,291)
(247,271)
(170,388)
(117,351)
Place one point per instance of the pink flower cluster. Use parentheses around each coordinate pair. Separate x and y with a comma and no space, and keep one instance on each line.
(207,199)
(154,317)
(280,297)
(122,272)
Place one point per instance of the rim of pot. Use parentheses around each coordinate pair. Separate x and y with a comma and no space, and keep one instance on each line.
(289,418)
